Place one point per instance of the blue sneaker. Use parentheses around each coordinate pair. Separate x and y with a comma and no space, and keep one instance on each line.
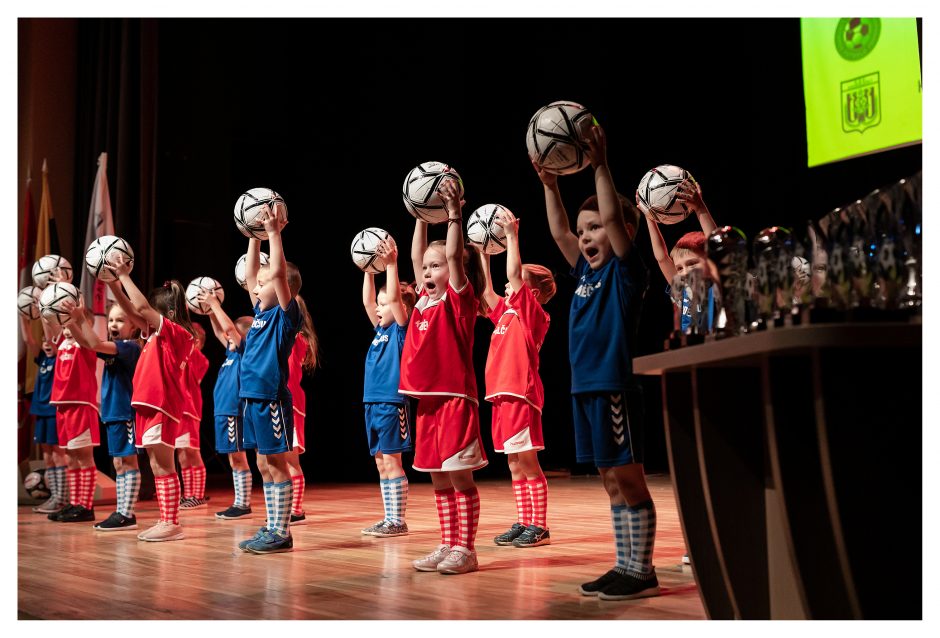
(244,544)
(271,543)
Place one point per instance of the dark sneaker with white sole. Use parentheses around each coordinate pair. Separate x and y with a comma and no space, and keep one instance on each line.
(594,587)
(507,537)
(116,522)
(628,587)
(233,513)
(533,536)
(79,514)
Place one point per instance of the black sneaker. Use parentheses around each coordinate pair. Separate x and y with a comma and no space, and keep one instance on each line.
(514,532)
(117,522)
(594,587)
(298,519)
(79,514)
(55,516)
(233,513)
(628,587)
(533,536)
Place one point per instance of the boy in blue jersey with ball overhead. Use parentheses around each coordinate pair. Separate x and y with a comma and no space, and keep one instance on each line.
(267,411)
(606,401)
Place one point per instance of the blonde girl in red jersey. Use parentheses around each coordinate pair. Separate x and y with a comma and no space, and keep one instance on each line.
(437,369)
(192,468)
(514,386)
(158,397)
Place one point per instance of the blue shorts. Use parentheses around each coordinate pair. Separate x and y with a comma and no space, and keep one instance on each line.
(388,428)
(45,430)
(121,438)
(608,427)
(268,426)
(228,434)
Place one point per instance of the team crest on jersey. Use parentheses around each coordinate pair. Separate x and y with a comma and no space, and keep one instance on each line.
(228,362)
(45,369)
(382,339)
(423,325)
(586,290)
(259,323)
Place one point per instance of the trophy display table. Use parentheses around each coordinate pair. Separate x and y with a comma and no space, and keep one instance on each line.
(796,461)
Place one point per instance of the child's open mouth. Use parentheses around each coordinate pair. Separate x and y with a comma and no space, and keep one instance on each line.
(430,285)
(591,252)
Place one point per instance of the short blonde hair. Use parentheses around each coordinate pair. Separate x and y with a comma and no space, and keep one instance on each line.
(541,280)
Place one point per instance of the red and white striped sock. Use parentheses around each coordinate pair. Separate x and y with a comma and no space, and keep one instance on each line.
(468,508)
(198,473)
(523,504)
(75,490)
(168,496)
(538,495)
(88,478)
(446,502)
(297,500)
(186,476)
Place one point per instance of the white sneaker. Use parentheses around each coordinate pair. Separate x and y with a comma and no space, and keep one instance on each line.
(430,562)
(162,531)
(52,505)
(460,560)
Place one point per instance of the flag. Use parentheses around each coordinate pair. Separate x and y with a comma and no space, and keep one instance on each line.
(47,239)
(100,222)
(26,370)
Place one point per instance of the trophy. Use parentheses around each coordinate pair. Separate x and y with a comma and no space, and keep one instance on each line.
(679,294)
(860,253)
(701,306)
(886,270)
(783,277)
(838,243)
(727,248)
(906,195)
(773,250)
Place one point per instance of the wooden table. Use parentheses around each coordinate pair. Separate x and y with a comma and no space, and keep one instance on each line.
(796,460)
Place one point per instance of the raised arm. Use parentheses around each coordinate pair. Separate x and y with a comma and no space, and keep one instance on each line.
(252,265)
(453,249)
(557,217)
(388,249)
(691,192)
(659,250)
(126,305)
(489,295)
(222,325)
(368,297)
(419,244)
(274,223)
(137,299)
(84,333)
(513,258)
(611,211)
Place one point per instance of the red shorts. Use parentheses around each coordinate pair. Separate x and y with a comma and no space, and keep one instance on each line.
(188,433)
(154,428)
(76,425)
(517,425)
(447,435)
(299,418)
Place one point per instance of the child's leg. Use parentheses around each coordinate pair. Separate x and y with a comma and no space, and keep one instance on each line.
(60,462)
(186,472)
(536,487)
(130,471)
(297,482)
(241,477)
(468,506)
(394,489)
(168,485)
(446,501)
(198,468)
(520,491)
(277,492)
(634,519)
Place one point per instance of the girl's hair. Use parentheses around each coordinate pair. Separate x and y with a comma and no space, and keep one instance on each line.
(473,267)
(541,280)
(294,280)
(631,214)
(694,241)
(312,356)
(407,292)
(170,301)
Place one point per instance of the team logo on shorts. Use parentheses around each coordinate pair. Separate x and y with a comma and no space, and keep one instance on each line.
(276,420)
(130,432)
(231,429)
(402,422)
(616,417)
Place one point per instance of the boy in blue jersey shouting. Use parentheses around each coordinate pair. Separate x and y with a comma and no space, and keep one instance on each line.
(606,401)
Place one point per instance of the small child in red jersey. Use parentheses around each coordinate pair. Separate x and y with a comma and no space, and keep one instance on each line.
(192,468)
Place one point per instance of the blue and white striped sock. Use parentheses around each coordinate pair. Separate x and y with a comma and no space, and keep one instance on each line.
(119,492)
(58,480)
(278,506)
(642,524)
(619,519)
(386,494)
(397,501)
(242,482)
(131,491)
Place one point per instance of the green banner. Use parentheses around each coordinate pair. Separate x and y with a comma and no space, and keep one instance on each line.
(861,85)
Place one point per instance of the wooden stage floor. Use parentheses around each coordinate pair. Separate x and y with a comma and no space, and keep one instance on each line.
(69,571)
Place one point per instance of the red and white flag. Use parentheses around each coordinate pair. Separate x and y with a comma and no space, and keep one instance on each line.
(100,222)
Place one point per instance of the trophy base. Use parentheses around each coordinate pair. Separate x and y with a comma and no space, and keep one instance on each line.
(826,315)
(692,339)
(673,343)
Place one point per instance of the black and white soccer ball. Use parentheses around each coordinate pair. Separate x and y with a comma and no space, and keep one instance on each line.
(27,302)
(483,231)
(105,251)
(50,268)
(195,287)
(252,207)
(52,299)
(657,194)
(35,485)
(801,270)
(240,268)
(420,191)
(363,247)
(556,137)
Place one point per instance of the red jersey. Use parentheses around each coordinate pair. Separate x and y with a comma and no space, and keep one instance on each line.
(159,382)
(294,371)
(438,355)
(74,380)
(195,370)
(512,365)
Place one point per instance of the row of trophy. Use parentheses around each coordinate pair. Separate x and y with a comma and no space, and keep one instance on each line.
(860,262)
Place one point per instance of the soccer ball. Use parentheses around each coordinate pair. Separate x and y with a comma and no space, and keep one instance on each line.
(102,252)
(251,209)
(556,137)
(801,269)
(657,194)
(363,250)
(195,287)
(50,302)
(420,191)
(49,268)
(240,268)
(35,485)
(27,302)
(483,231)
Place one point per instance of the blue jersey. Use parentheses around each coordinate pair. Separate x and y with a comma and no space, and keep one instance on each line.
(42,389)
(267,348)
(225,394)
(117,381)
(707,317)
(605,309)
(383,365)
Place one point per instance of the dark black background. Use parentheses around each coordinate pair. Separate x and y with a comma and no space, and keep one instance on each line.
(332,113)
